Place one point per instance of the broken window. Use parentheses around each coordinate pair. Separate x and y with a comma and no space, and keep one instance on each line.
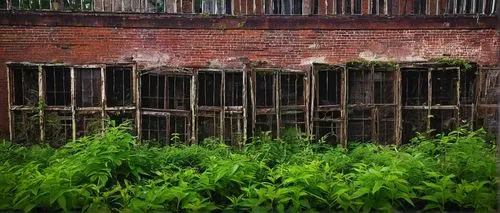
(88,123)
(220,94)
(88,87)
(487,105)
(431,91)
(213,6)
(264,110)
(71,95)
(57,86)
(166,105)
(328,102)
(58,127)
(24,84)
(26,127)
(283,7)
(281,89)
(119,86)
(371,104)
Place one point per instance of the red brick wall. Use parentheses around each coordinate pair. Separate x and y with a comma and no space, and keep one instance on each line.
(226,48)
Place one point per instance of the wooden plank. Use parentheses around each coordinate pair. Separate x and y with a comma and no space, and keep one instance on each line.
(245,106)
(137,92)
(103,98)
(343,103)
(73,103)
(9,104)
(429,98)
(194,100)
(41,101)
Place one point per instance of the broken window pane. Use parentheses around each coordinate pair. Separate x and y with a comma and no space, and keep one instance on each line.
(359,125)
(58,127)
(179,126)
(179,92)
(57,86)
(283,7)
(234,89)
(88,87)
(153,90)
(119,86)
(154,128)
(233,129)
(328,124)
(88,123)
(444,87)
(385,124)
(384,87)
(467,87)
(24,85)
(265,122)
(414,86)
(328,88)
(264,86)
(26,127)
(293,120)
(413,121)
(120,117)
(292,89)
(165,91)
(210,90)
(443,120)
(360,89)
(209,125)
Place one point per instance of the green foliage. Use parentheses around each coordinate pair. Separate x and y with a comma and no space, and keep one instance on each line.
(465,65)
(110,173)
(368,64)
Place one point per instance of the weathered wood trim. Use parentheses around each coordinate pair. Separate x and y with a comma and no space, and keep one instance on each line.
(9,104)
(73,103)
(41,100)
(193,106)
(282,22)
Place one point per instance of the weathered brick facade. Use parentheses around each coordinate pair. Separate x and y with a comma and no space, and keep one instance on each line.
(231,42)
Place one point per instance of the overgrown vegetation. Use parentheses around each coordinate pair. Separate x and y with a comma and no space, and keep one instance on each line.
(464,65)
(109,172)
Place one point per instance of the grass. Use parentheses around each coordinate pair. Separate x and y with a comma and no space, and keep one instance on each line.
(111,173)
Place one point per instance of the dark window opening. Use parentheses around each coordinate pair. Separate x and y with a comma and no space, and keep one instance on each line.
(420,7)
(384,87)
(209,124)
(467,87)
(444,87)
(265,123)
(443,120)
(293,120)
(26,127)
(385,124)
(58,127)
(413,121)
(359,125)
(154,129)
(209,88)
(328,88)
(292,89)
(120,117)
(284,7)
(24,84)
(327,124)
(178,126)
(234,89)
(119,86)
(360,89)
(88,123)
(88,87)
(213,6)
(57,86)
(153,90)
(233,129)
(414,86)
(264,84)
